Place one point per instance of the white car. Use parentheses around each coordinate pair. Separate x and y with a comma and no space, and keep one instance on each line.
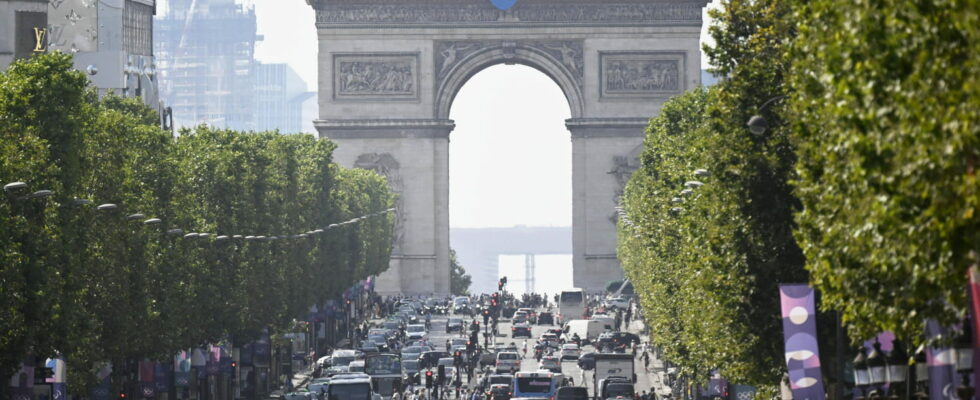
(416,332)
(621,303)
(570,351)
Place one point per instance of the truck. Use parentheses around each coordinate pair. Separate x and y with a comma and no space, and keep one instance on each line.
(612,368)
(385,371)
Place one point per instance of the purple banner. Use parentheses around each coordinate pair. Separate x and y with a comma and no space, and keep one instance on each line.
(942,365)
(800,333)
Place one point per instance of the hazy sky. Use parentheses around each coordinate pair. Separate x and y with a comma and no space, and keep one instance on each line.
(510,155)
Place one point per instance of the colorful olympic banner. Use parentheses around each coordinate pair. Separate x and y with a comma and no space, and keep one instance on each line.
(942,365)
(800,333)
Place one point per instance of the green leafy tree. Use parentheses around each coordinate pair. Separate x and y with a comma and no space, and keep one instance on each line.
(459,280)
(885,113)
(96,286)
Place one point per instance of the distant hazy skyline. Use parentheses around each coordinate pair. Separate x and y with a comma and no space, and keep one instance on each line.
(510,155)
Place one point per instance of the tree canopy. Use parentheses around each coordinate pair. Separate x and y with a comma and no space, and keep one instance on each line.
(253,227)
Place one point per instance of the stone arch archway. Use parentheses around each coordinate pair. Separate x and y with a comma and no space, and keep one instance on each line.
(389,72)
(476,56)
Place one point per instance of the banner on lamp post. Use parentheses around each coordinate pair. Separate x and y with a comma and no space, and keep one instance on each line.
(59,385)
(800,334)
(147,379)
(942,365)
(975,319)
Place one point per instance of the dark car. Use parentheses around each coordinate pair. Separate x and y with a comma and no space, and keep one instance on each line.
(546,318)
(430,359)
(573,393)
(454,325)
(500,392)
(520,330)
(586,361)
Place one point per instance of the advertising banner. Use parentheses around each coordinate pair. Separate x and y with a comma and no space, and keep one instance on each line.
(800,333)
(942,365)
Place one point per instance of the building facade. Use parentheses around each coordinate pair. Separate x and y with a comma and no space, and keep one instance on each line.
(112,40)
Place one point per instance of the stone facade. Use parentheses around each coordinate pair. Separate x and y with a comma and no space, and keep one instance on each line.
(389,73)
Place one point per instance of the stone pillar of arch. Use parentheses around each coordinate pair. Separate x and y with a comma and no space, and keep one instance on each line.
(389,72)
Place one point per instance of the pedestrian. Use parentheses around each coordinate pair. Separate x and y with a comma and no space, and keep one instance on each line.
(646,361)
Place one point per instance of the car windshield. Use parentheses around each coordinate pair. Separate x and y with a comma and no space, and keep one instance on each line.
(534,385)
(505,379)
(507,356)
(416,328)
(341,360)
(619,389)
(350,391)
(413,349)
(386,364)
(410,365)
(455,322)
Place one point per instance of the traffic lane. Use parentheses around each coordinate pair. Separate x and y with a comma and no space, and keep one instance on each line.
(569,367)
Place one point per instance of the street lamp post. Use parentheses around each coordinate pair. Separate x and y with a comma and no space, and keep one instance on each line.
(757,123)
(921,374)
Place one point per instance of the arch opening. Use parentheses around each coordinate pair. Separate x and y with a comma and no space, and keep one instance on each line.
(510,175)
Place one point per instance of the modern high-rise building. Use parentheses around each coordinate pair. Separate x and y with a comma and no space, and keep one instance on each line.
(205,51)
(209,75)
(111,40)
(279,98)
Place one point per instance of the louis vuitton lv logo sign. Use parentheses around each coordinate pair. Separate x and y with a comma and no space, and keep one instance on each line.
(40,44)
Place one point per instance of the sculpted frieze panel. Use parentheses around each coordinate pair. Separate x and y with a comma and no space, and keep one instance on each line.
(649,74)
(376,76)
(567,53)
(583,13)
(387,166)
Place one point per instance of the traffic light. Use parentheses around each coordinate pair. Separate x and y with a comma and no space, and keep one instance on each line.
(428,379)
(122,395)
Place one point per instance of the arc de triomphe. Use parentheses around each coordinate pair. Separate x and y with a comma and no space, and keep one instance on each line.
(389,70)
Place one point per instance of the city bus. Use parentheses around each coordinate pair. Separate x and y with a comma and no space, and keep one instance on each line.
(534,384)
(571,305)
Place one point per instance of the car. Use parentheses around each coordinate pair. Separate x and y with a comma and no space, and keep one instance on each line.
(550,363)
(416,332)
(520,330)
(620,302)
(356,366)
(298,396)
(446,361)
(614,387)
(551,339)
(572,393)
(497,379)
(570,351)
(318,385)
(499,392)
(454,325)
(413,352)
(586,361)
(342,357)
(368,346)
(519,317)
(487,358)
(508,361)
(546,318)
(532,316)
(457,342)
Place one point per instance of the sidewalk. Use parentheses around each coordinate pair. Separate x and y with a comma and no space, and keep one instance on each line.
(658,370)
(300,379)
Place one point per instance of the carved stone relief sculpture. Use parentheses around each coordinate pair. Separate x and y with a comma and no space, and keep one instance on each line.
(386,165)
(568,53)
(376,76)
(623,168)
(641,74)
(585,13)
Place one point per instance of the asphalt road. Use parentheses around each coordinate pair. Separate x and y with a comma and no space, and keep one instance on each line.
(438,336)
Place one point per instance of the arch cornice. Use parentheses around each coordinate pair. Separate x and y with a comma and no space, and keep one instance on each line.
(562,61)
